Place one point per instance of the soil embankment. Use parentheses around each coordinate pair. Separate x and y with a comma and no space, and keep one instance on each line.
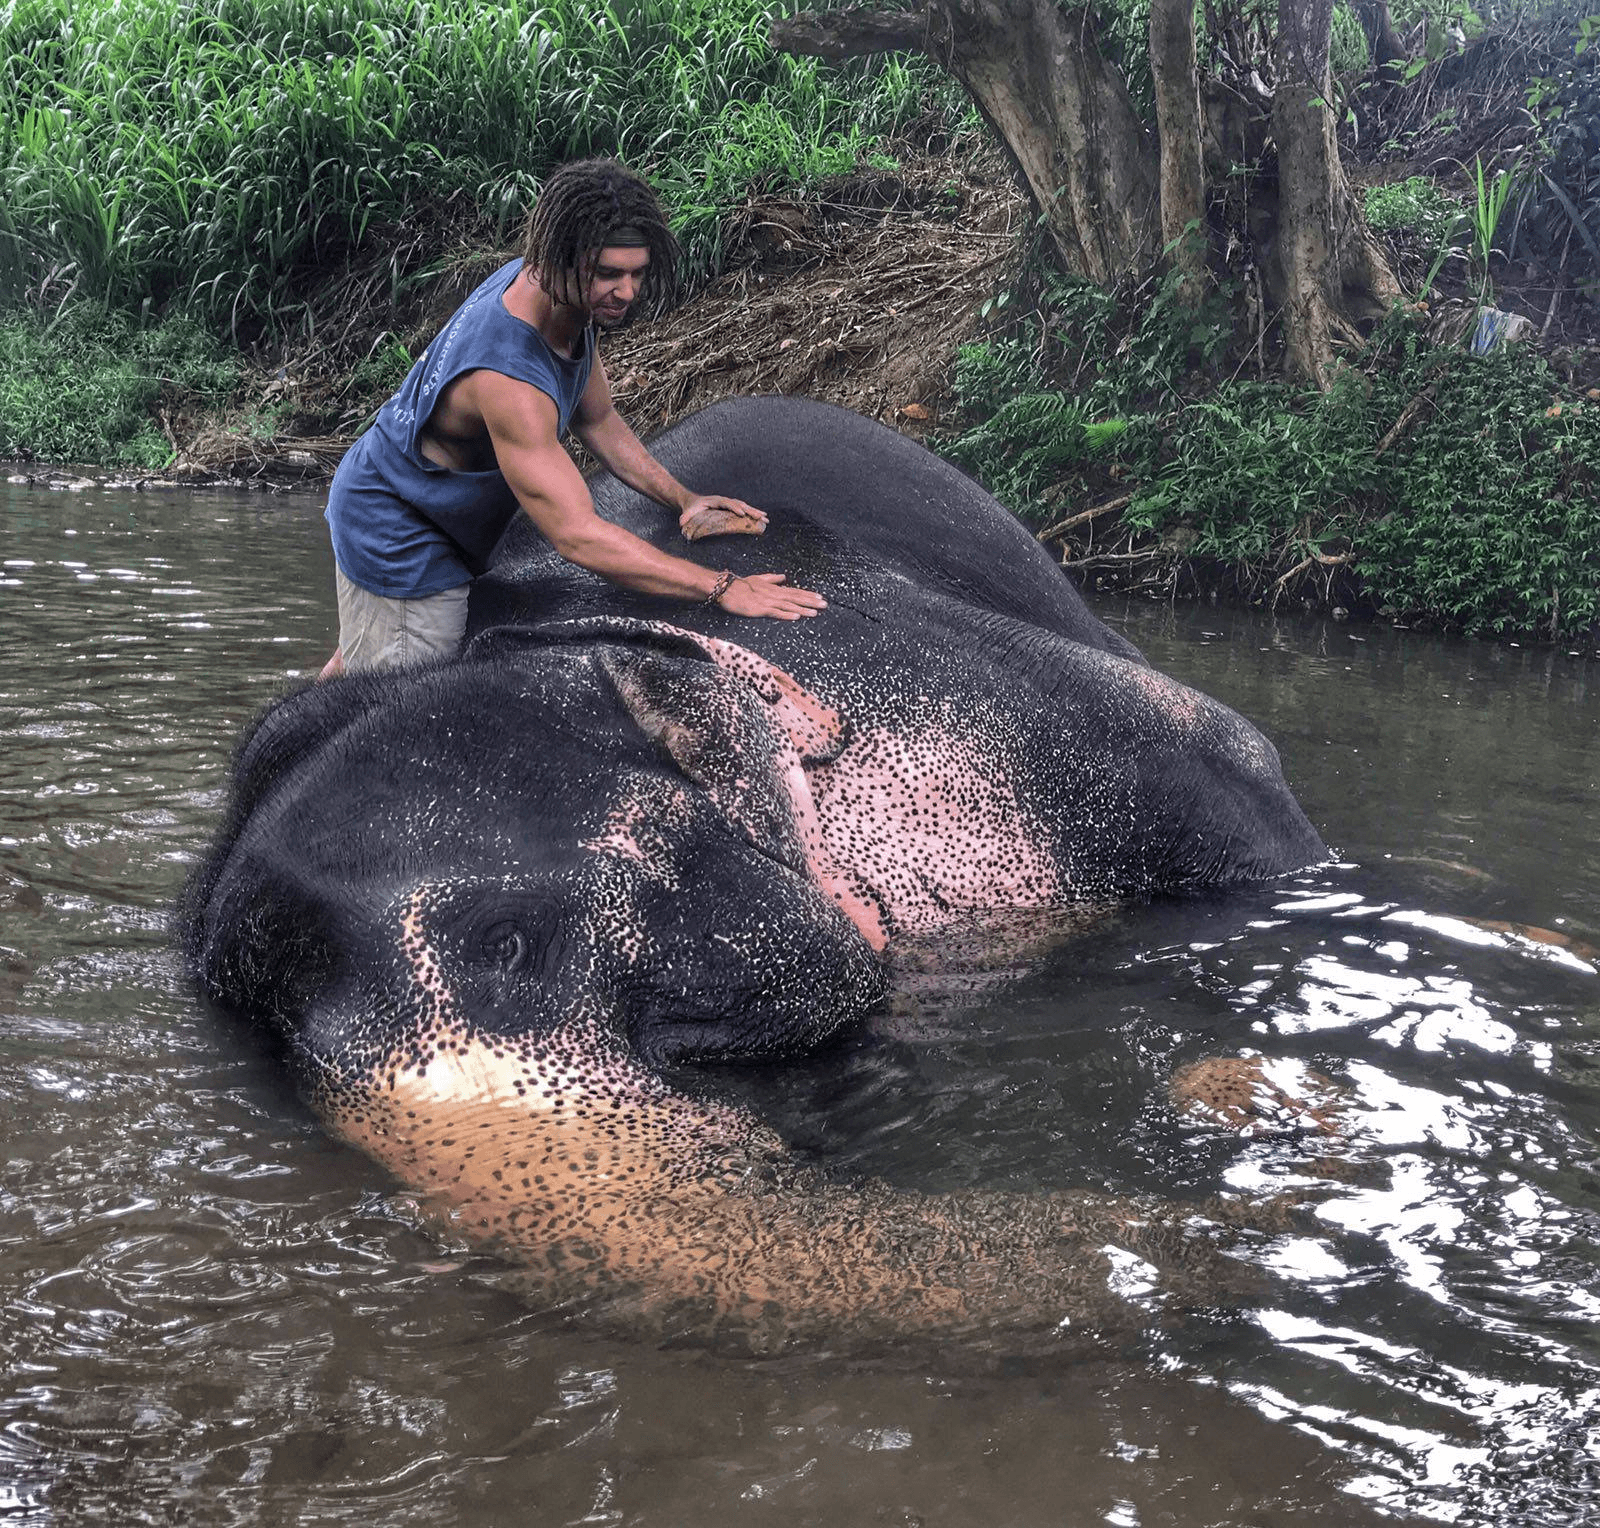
(859,295)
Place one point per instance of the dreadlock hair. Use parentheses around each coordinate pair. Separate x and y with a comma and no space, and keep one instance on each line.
(585,206)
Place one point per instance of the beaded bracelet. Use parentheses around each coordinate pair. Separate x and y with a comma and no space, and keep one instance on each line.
(725,581)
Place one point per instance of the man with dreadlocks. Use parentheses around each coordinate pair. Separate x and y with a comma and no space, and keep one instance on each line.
(475,430)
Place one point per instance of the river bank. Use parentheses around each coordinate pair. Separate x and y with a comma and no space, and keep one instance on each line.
(852,235)
(1431,487)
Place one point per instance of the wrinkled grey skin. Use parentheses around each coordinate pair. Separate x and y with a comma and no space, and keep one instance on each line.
(480,904)
(943,608)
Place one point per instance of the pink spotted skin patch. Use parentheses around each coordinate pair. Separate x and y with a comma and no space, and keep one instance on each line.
(902,832)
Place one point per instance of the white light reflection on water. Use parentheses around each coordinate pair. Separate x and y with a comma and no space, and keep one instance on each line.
(1444,1317)
(1130,1276)
(1427,1012)
(1430,1461)
(1506,939)
(1479,1422)
(1326,902)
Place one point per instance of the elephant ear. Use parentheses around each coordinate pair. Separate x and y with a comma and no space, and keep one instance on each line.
(739,727)
(744,731)
(815,730)
(722,735)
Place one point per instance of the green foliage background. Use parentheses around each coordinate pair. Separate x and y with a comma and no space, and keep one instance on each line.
(87,388)
(1483,512)
(164,155)
(207,168)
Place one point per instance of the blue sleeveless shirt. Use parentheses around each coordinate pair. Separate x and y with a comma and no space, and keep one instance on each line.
(404,527)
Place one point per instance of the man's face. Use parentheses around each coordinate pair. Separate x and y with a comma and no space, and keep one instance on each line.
(613,284)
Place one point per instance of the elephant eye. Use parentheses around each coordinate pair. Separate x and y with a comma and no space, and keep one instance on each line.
(505,945)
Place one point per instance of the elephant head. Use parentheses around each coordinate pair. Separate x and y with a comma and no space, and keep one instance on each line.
(603,818)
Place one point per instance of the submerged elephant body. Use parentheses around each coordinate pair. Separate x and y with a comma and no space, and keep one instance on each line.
(481,903)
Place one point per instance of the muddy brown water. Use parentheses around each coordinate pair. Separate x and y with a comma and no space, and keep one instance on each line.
(212,1313)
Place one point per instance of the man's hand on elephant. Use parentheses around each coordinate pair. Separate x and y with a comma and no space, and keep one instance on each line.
(768,594)
(714,514)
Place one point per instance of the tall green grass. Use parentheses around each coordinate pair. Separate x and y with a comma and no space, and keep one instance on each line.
(167,155)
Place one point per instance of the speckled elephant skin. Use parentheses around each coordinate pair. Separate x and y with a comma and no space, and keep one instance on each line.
(481,905)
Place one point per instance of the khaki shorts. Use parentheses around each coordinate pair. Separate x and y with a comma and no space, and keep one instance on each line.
(379,633)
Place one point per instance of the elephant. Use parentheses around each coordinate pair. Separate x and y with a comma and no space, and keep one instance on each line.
(491,907)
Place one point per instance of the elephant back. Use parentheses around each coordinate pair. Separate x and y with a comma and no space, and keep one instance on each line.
(844,493)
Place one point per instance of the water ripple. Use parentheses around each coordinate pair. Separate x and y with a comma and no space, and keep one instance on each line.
(210,1312)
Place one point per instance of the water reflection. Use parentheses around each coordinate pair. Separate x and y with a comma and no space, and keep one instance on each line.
(1444,1307)
(209,1311)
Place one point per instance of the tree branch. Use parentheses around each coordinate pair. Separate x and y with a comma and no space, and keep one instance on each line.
(1335,560)
(849,33)
(1407,414)
(1105,559)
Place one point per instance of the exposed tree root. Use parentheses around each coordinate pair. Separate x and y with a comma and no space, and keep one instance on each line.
(1309,561)
(1061,527)
(1403,421)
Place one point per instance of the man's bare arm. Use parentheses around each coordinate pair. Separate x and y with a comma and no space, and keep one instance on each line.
(605,432)
(522,424)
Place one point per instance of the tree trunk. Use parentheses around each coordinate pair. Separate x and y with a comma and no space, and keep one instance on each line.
(1328,268)
(1109,199)
(1378,24)
(1178,123)
(1036,74)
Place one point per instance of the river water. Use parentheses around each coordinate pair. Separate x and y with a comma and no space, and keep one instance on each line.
(212,1313)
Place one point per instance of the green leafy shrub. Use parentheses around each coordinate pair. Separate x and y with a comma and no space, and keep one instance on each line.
(1348,51)
(1058,391)
(990,374)
(1030,440)
(1490,517)
(1414,203)
(1484,515)
(1559,217)
(1259,468)
(86,387)
(1481,511)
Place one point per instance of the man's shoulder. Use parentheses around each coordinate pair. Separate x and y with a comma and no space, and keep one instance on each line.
(490,392)
(505,384)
